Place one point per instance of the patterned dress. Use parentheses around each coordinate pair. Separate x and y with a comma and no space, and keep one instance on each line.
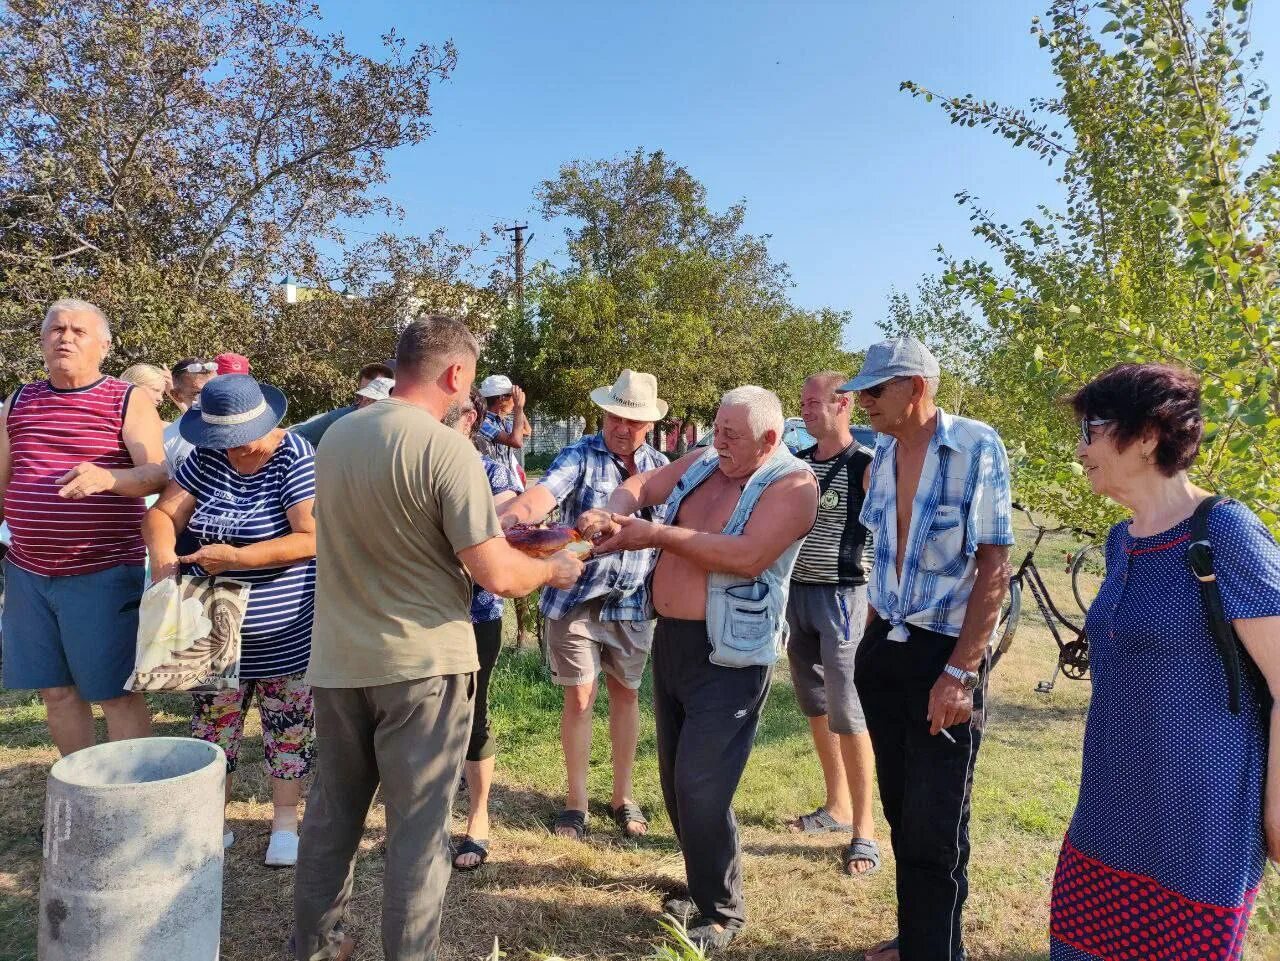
(1165,851)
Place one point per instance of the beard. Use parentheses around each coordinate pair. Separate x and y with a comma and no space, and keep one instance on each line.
(452,415)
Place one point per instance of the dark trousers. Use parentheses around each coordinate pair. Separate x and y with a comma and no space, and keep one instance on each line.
(409,739)
(488,646)
(925,786)
(706,722)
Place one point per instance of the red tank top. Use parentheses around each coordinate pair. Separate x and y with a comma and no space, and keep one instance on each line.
(50,432)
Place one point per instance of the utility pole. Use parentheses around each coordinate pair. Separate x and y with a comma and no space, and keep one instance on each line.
(520,242)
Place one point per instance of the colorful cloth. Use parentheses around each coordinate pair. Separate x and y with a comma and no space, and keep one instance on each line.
(1165,851)
(288,723)
(50,432)
(239,509)
(487,444)
(486,606)
(962,501)
(582,477)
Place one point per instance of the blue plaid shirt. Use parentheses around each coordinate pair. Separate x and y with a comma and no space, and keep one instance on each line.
(962,501)
(484,605)
(582,478)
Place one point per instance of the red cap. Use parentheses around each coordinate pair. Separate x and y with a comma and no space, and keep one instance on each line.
(232,364)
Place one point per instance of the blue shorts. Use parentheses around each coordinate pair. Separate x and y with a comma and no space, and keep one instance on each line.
(78,630)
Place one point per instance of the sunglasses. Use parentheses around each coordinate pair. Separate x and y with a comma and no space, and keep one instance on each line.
(1086,428)
(206,368)
(878,389)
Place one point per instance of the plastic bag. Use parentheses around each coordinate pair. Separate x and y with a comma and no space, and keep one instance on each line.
(189,635)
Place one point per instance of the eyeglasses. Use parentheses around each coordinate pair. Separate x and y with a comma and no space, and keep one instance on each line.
(1086,428)
(878,389)
(205,368)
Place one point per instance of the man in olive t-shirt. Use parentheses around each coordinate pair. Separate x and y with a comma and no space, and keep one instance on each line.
(403,512)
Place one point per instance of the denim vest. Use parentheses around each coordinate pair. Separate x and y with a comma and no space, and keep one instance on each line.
(746,619)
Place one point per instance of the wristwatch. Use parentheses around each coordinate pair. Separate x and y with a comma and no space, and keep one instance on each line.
(968,679)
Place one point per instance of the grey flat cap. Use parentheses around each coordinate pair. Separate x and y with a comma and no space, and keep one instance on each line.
(900,357)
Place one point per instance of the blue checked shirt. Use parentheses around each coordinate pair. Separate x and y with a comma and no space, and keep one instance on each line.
(484,605)
(581,478)
(962,501)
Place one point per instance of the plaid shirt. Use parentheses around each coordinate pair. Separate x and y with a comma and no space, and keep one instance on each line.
(484,605)
(581,478)
(962,501)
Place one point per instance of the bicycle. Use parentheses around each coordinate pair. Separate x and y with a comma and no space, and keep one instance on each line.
(1084,567)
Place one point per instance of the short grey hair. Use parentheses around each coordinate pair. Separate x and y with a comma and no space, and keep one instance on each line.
(70,305)
(764,410)
(430,344)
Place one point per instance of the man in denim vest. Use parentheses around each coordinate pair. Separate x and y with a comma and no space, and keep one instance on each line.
(939,509)
(735,518)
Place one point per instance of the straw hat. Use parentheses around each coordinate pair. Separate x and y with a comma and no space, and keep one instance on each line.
(633,395)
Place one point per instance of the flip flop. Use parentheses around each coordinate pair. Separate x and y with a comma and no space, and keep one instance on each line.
(470,845)
(576,821)
(860,849)
(819,822)
(629,813)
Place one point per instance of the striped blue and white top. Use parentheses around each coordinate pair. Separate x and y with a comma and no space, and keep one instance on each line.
(232,508)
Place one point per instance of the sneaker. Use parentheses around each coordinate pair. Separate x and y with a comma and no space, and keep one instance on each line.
(228,839)
(682,909)
(282,851)
(708,938)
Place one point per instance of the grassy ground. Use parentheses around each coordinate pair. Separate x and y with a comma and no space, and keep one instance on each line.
(600,899)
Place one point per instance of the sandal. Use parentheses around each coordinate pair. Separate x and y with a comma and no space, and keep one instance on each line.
(628,812)
(470,845)
(819,822)
(576,821)
(861,849)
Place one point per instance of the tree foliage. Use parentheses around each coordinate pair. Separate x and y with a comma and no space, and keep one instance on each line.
(170,159)
(1164,250)
(658,281)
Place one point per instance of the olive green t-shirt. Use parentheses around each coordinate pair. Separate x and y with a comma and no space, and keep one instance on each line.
(398,494)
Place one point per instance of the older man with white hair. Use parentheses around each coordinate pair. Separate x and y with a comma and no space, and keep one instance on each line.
(78,453)
(736,516)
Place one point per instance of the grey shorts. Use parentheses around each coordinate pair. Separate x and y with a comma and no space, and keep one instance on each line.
(826,624)
(581,645)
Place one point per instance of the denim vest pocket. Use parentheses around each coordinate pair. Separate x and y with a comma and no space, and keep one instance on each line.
(747,624)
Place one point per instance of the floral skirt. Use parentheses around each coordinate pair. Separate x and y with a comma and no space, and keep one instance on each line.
(288,722)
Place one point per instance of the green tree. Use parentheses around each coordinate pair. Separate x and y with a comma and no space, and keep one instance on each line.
(172,158)
(658,281)
(1165,249)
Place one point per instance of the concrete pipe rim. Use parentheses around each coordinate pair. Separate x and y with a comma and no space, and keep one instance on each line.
(74,770)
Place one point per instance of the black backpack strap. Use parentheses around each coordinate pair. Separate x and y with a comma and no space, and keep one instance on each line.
(1200,561)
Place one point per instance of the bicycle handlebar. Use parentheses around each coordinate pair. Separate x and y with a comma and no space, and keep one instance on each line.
(1053,530)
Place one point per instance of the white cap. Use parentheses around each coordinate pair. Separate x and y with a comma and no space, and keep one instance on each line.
(495,385)
(377,389)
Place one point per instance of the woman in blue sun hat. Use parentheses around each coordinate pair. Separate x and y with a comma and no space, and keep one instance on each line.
(246,495)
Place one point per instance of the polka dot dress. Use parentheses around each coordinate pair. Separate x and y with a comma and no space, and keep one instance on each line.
(1165,851)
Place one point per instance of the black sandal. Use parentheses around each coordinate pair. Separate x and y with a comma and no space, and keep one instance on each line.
(576,821)
(626,813)
(470,845)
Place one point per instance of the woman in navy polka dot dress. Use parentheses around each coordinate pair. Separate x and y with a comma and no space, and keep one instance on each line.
(1179,798)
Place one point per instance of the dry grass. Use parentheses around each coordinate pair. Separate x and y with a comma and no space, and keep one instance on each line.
(600,899)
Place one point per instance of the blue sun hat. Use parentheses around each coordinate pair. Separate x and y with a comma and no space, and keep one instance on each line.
(234,410)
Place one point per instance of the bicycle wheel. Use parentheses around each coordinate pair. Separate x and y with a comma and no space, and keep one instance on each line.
(1087,571)
(1007,625)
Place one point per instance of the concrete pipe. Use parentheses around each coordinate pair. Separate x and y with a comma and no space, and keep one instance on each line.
(133,853)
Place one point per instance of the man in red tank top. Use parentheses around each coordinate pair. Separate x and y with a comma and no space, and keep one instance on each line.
(78,452)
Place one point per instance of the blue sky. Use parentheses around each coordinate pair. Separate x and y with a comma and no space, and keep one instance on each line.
(791,106)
